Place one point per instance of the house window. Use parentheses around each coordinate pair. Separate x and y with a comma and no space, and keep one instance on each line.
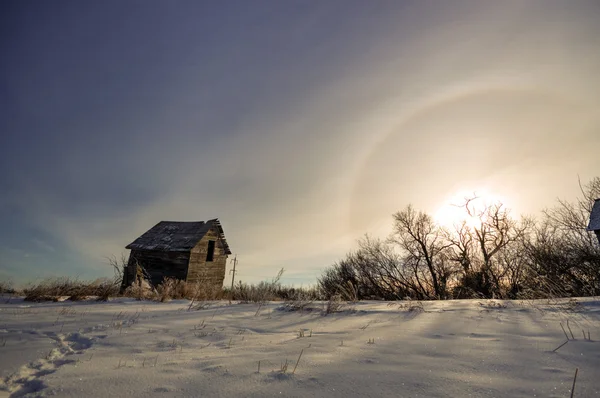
(211,250)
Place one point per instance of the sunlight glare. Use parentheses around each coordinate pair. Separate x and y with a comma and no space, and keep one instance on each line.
(452,212)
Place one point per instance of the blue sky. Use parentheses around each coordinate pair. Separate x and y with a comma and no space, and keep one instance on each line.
(300,124)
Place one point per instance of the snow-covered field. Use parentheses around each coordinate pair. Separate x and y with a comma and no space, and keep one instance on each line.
(463,348)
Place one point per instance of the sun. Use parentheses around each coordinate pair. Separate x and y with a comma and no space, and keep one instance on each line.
(452,212)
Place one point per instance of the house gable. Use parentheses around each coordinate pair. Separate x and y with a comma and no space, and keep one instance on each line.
(207,267)
(594,224)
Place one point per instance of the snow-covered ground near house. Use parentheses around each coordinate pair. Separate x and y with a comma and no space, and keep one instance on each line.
(462,348)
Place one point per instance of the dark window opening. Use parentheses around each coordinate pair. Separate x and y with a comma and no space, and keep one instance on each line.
(211,250)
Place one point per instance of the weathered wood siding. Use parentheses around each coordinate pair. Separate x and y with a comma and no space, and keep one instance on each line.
(200,270)
(158,264)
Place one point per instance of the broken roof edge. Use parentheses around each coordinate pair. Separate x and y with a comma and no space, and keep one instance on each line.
(221,237)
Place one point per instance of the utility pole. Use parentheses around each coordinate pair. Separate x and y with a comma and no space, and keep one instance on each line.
(232,272)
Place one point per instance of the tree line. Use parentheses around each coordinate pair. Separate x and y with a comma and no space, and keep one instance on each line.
(490,254)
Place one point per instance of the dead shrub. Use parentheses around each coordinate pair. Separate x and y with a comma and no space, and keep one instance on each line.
(6,286)
(412,306)
(165,290)
(299,301)
(261,293)
(334,304)
(105,288)
(140,290)
(52,289)
(492,305)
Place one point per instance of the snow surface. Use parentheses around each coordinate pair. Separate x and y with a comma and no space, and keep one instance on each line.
(462,348)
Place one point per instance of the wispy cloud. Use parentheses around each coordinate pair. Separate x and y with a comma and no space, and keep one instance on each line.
(300,127)
(43,245)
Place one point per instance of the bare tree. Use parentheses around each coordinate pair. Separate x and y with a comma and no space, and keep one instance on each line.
(375,271)
(482,247)
(384,272)
(461,241)
(423,249)
(118,266)
(491,255)
(372,270)
(339,274)
(563,251)
(571,218)
(549,263)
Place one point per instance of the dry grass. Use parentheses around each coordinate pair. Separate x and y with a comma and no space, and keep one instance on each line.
(200,293)
(260,293)
(169,289)
(6,287)
(299,301)
(412,306)
(55,289)
(140,290)
(175,289)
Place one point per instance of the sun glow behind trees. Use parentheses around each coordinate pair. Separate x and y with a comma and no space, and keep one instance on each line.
(475,246)
(466,207)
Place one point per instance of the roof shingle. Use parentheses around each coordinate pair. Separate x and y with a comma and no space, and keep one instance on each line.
(177,236)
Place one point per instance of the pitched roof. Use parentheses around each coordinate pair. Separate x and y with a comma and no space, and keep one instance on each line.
(177,236)
(594,224)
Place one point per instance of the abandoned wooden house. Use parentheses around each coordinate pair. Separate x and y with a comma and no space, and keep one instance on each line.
(190,251)
(594,224)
